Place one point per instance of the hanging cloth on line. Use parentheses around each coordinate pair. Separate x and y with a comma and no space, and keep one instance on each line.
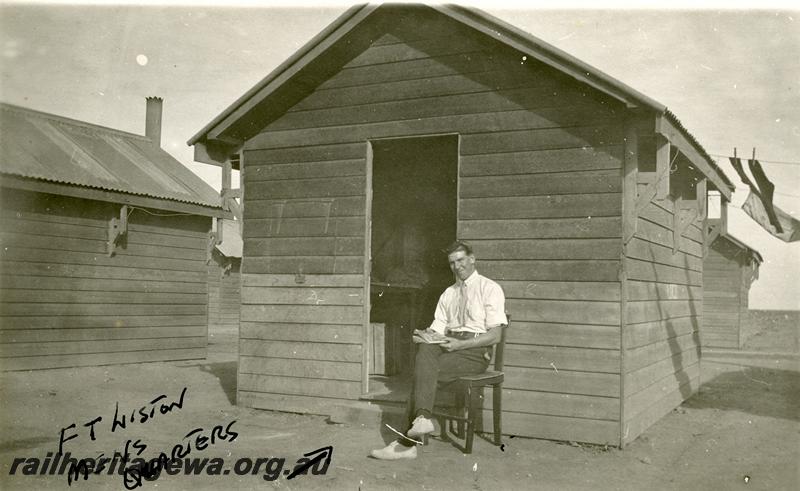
(762,189)
(790,227)
(767,190)
(736,162)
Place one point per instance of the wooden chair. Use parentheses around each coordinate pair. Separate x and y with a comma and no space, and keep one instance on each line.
(469,400)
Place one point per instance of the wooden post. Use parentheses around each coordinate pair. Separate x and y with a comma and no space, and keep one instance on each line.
(241,268)
(226,183)
(630,214)
(241,196)
(702,197)
(701,193)
(723,215)
(662,167)
(366,338)
(630,178)
(623,319)
(226,175)
(676,224)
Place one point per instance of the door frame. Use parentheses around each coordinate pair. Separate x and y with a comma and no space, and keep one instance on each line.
(366,331)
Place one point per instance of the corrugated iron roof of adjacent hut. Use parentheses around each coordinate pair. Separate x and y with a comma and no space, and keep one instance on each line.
(42,146)
(479,20)
(742,245)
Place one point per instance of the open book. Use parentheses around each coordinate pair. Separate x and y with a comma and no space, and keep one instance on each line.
(428,336)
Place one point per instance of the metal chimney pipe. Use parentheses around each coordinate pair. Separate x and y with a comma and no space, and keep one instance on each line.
(152,122)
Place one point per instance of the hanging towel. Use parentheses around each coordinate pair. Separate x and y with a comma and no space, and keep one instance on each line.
(789,225)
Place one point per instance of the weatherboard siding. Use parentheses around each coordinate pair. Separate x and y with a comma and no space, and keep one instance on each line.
(65,303)
(540,197)
(664,308)
(224,295)
(725,288)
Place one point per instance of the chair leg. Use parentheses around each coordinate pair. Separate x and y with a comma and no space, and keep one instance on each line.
(497,413)
(461,401)
(410,409)
(471,412)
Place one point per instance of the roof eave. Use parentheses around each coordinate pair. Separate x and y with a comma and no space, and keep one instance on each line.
(668,125)
(24,183)
(739,243)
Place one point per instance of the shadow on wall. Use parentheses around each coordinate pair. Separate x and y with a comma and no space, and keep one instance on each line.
(676,349)
(752,390)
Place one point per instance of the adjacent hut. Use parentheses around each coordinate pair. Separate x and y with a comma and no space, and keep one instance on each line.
(400,128)
(105,239)
(729,270)
(224,276)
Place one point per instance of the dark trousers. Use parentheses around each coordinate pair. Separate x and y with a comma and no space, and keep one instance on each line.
(435,369)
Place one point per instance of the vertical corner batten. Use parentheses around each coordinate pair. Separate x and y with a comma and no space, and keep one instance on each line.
(366,338)
(241,270)
(629,183)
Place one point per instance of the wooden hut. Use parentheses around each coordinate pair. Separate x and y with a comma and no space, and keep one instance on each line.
(405,127)
(224,276)
(729,268)
(105,239)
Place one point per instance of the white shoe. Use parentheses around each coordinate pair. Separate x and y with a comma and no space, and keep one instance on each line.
(421,426)
(395,451)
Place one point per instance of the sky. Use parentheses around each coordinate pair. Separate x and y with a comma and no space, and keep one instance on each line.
(731,75)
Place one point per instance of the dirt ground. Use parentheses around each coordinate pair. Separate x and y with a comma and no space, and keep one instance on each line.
(741,431)
(772,330)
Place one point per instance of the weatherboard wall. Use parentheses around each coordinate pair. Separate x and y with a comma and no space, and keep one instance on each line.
(65,303)
(663,312)
(539,197)
(224,292)
(726,284)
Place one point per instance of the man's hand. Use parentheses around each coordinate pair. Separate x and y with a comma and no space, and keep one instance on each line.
(426,336)
(453,344)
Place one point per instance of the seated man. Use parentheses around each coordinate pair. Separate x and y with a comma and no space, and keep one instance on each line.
(470,314)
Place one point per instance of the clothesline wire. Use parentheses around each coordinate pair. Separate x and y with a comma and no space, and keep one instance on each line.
(745,188)
(779,162)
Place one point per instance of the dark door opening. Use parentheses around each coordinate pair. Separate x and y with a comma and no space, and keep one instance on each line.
(414,207)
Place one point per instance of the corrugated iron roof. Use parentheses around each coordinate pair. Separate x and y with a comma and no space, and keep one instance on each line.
(693,140)
(742,245)
(52,148)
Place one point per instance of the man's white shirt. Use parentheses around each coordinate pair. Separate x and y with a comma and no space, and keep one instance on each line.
(471,305)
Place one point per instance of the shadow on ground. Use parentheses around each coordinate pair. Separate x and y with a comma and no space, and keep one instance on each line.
(225,372)
(752,390)
(25,443)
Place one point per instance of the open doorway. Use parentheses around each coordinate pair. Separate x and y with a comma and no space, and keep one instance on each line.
(414,211)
